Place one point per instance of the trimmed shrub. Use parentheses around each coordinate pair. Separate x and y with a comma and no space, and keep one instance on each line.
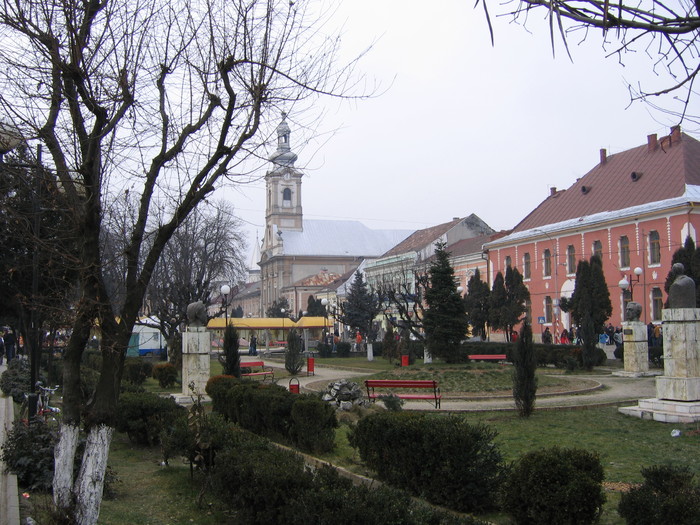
(15,380)
(324,350)
(144,416)
(555,485)
(343,349)
(312,424)
(165,374)
(136,370)
(441,458)
(259,480)
(28,453)
(264,409)
(293,355)
(524,366)
(216,389)
(198,442)
(668,495)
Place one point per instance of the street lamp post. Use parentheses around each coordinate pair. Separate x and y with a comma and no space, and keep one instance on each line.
(225,290)
(626,282)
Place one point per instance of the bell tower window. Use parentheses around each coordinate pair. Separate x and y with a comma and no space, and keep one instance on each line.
(286,198)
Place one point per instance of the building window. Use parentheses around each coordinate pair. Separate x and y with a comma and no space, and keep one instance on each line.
(526,266)
(657,304)
(547,256)
(570,259)
(528,311)
(654,248)
(548,309)
(598,249)
(624,252)
(287,198)
(508,262)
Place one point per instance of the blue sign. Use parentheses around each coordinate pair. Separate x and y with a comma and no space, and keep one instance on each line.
(540,320)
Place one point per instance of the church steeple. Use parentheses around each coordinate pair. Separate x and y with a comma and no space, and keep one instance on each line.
(284,156)
(283,184)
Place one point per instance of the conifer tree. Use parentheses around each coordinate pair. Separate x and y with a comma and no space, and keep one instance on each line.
(445,320)
(360,308)
(231,360)
(476,304)
(497,300)
(689,257)
(516,296)
(293,355)
(589,305)
(524,366)
(390,346)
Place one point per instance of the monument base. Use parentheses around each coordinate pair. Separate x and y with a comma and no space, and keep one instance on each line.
(185,400)
(648,373)
(664,410)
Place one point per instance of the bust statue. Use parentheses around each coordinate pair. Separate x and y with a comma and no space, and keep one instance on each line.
(633,311)
(681,294)
(197,314)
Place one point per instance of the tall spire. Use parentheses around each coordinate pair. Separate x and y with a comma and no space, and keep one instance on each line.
(284,156)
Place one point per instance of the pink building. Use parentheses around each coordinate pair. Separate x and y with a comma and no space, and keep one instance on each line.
(634,209)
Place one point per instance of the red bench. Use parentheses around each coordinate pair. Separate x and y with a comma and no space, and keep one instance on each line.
(263,371)
(487,357)
(435,396)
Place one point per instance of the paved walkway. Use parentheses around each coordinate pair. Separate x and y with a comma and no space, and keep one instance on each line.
(9,497)
(609,390)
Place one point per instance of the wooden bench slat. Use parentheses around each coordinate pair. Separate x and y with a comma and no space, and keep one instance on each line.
(258,364)
(498,357)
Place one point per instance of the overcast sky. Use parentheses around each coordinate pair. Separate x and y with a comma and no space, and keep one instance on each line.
(463,127)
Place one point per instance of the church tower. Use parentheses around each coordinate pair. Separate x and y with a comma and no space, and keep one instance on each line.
(283,186)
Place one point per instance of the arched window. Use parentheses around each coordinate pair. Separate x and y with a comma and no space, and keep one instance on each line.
(547,258)
(657,304)
(624,252)
(570,259)
(598,249)
(548,309)
(626,298)
(287,198)
(654,248)
(526,266)
(528,311)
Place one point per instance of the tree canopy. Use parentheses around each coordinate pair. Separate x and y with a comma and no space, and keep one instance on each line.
(361,306)
(476,304)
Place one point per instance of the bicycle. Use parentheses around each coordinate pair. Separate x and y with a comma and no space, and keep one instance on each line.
(43,404)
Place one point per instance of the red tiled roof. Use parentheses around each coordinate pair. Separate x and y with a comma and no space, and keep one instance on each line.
(653,172)
(421,238)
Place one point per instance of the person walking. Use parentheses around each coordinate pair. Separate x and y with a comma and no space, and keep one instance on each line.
(2,350)
(253,346)
(10,341)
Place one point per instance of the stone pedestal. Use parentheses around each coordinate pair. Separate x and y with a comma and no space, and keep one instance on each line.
(678,390)
(196,364)
(634,334)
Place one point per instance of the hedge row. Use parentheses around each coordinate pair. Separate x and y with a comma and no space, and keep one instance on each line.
(269,485)
(441,458)
(272,411)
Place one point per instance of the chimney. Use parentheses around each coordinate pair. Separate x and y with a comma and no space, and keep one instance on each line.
(552,191)
(652,142)
(675,134)
(603,156)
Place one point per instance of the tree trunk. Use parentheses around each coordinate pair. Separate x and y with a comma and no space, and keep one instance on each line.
(64,455)
(88,486)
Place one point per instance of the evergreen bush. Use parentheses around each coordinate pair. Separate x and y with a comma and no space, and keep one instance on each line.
(144,416)
(313,424)
(15,380)
(28,453)
(293,354)
(555,485)
(443,459)
(165,374)
(343,349)
(668,495)
(524,366)
(137,370)
(216,388)
(231,359)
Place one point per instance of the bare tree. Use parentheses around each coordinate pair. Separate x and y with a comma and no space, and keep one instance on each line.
(166,101)
(207,247)
(665,32)
(404,297)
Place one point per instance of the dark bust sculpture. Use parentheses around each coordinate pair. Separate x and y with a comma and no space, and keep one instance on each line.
(633,311)
(681,294)
(197,314)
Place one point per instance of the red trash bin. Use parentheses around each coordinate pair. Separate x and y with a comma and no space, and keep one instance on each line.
(294,387)
(310,363)
(404,360)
